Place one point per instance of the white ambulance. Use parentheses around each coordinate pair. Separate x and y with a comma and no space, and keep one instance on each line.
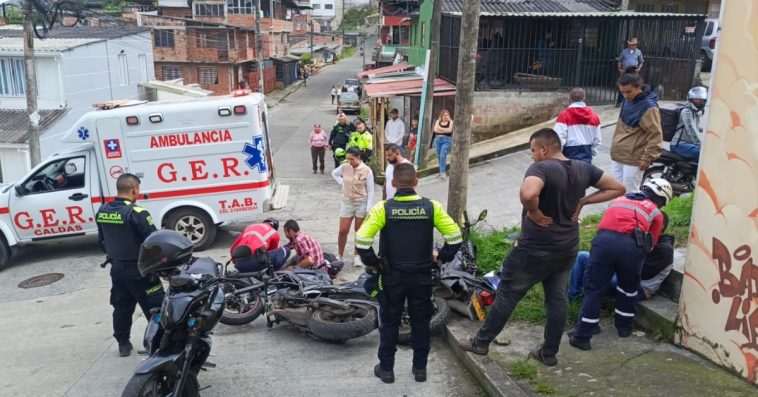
(202,162)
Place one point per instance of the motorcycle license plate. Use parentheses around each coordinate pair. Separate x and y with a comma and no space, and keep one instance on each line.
(476,307)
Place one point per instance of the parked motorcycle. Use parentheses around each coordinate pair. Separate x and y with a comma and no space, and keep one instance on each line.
(306,299)
(681,173)
(177,337)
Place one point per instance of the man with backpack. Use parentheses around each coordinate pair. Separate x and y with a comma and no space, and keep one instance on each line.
(339,138)
(686,139)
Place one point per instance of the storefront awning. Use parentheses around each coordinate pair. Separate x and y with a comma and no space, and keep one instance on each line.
(387,69)
(407,88)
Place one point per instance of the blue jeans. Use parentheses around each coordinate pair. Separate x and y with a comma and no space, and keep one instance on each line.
(689,151)
(442,145)
(277,257)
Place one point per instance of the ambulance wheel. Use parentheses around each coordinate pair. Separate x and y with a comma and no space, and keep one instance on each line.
(194,224)
(5,254)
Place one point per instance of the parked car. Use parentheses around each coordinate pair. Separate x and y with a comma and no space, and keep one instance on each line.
(349,102)
(709,43)
(351,85)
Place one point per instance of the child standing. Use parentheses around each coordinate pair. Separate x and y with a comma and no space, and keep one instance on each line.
(318,141)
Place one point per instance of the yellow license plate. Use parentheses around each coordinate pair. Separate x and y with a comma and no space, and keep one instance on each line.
(478,306)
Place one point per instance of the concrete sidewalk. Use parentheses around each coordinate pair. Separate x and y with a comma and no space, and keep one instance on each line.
(634,366)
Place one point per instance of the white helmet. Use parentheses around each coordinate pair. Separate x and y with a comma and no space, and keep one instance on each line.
(660,187)
(698,93)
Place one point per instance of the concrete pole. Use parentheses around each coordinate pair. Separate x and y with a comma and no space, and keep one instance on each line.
(425,121)
(259,47)
(458,186)
(31,85)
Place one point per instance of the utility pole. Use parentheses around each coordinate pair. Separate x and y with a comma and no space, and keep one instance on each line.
(311,23)
(458,186)
(259,46)
(31,85)
(425,122)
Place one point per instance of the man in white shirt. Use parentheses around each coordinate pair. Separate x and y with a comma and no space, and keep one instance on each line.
(394,157)
(394,131)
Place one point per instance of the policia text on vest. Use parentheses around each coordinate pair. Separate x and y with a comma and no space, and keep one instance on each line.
(407,224)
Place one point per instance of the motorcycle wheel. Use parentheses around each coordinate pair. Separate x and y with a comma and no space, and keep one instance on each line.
(440,318)
(237,312)
(158,385)
(651,173)
(339,327)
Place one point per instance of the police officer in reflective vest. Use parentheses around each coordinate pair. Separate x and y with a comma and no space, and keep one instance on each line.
(628,231)
(122,226)
(407,224)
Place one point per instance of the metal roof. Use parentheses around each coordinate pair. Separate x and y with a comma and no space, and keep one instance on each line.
(15,45)
(79,32)
(407,87)
(387,69)
(173,3)
(552,8)
(13,123)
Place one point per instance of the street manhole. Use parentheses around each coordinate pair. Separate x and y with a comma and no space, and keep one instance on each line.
(41,280)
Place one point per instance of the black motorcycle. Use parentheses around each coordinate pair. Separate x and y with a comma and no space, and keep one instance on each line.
(681,173)
(177,337)
(306,299)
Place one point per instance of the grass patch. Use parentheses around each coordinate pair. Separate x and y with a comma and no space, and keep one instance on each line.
(543,387)
(349,51)
(524,369)
(679,211)
(492,247)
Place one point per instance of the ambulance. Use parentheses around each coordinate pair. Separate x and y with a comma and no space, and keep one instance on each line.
(202,163)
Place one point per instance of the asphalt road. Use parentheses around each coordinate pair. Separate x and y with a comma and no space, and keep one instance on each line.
(56,339)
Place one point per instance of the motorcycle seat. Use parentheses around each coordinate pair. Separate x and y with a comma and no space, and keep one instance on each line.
(671,156)
(203,266)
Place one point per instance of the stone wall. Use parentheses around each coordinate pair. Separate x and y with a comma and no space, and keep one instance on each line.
(499,112)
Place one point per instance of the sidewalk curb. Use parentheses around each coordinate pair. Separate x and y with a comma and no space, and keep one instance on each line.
(273,102)
(489,375)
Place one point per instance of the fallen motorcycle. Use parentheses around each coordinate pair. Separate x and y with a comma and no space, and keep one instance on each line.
(306,299)
(177,337)
(681,173)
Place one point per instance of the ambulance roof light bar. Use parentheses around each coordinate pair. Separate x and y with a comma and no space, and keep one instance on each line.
(243,92)
(120,103)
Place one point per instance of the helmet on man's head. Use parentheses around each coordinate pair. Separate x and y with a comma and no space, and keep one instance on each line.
(339,152)
(659,187)
(163,250)
(273,222)
(700,93)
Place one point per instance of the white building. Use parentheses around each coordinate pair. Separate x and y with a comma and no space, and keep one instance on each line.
(76,67)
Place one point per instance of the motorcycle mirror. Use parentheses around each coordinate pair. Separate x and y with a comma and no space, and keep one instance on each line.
(482,215)
(465,217)
(241,252)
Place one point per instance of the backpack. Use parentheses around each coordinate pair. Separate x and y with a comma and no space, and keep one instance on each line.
(670,120)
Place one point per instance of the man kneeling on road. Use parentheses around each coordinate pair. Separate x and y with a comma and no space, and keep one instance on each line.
(552,195)
(309,253)
(260,235)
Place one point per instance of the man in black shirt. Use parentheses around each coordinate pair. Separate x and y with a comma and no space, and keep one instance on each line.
(339,137)
(552,196)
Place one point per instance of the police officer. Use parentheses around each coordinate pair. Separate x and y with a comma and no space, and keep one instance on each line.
(407,224)
(122,227)
(628,231)
(362,139)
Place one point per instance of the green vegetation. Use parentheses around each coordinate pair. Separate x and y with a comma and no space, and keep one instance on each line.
(524,369)
(355,17)
(306,59)
(542,387)
(349,51)
(493,246)
(13,15)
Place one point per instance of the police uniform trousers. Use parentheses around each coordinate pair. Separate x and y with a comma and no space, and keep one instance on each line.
(416,289)
(612,252)
(128,289)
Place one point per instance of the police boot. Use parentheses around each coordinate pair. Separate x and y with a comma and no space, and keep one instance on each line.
(385,376)
(125,349)
(419,374)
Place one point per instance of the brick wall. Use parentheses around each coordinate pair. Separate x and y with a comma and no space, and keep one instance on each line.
(176,12)
(279,25)
(499,112)
(191,75)
(243,20)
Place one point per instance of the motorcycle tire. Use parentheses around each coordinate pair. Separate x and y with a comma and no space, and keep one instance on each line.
(652,172)
(159,384)
(333,328)
(440,318)
(234,314)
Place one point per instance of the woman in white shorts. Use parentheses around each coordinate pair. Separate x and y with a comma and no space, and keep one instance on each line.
(357,181)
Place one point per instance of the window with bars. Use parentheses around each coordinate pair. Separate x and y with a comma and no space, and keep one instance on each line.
(205,40)
(172,72)
(328,6)
(164,38)
(209,10)
(12,77)
(240,7)
(647,7)
(207,75)
(123,70)
(673,8)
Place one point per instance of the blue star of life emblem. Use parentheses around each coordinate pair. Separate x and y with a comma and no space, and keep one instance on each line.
(83,133)
(256,154)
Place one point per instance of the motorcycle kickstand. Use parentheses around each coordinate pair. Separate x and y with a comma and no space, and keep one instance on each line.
(269,323)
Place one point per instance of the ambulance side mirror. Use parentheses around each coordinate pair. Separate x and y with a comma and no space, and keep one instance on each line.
(20,191)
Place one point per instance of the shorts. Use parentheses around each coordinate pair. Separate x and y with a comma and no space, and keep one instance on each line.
(351,209)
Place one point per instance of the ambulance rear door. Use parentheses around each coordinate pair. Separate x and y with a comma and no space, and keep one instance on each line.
(110,145)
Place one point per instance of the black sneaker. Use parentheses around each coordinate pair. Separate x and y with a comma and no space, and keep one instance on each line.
(624,332)
(419,374)
(579,344)
(385,376)
(550,361)
(595,331)
(125,349)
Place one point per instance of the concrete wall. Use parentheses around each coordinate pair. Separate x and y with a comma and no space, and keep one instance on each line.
(718,310)
(500,112)
(48,84)
(14,162)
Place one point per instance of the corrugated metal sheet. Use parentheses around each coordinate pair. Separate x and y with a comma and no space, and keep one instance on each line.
(79,32)
(408,87)
(551,8)
(15,45)
(13,123)
(387,69)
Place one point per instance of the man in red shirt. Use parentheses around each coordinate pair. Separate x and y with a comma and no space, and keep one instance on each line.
(628,231)
(309,253)
(260,235)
